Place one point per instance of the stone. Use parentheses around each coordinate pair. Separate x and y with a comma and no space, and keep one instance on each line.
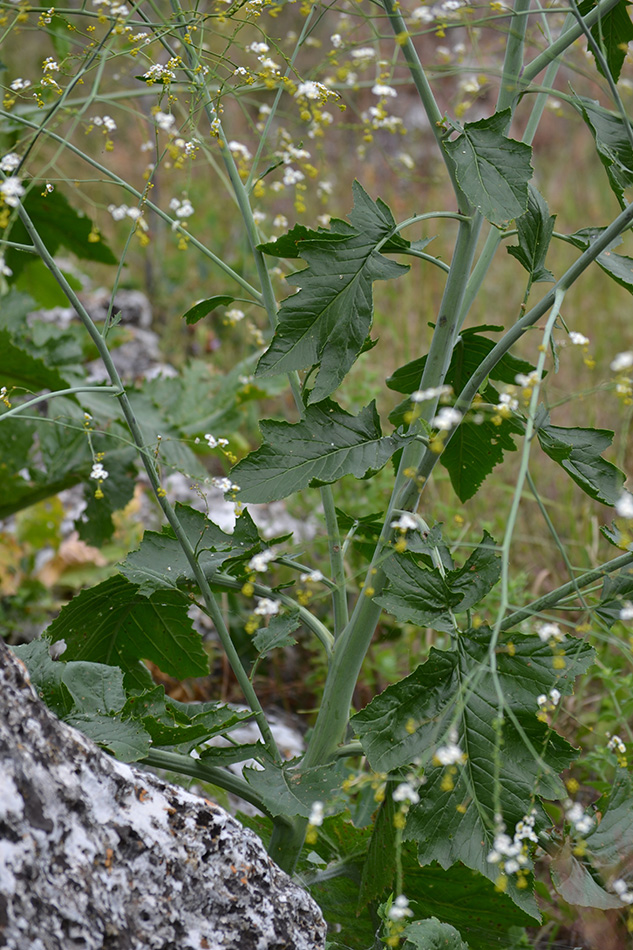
(98,854)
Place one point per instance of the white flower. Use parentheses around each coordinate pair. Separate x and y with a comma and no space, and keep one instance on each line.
(526,381)
(313,576)
(292,176)
(18,84)
(423,15)
(549,631)
(10,162)
(446,419)
(258,48)
(157,72)
(578,339)
(381,90)
(506,401)
(621,889)
(164,120)
(224,484)
(400,908)
(336,40)
(405,522)
(542,699)
(449,754)
(266,607)
(615,743)
(280,222)
(405,793)
(424,395)
(49,65)
(106,121)
(470,85)
(364,52)
(213,443)
(259,217)
(312,90)
(626,613)
(12,190)
(98,472)
(234,316)
(236,148)
(624,505)
(316,814)
(183,209)
(260,561)
(622,361)
(575,814)
(554,695)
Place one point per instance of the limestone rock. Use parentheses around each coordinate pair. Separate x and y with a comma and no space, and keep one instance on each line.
(97,854)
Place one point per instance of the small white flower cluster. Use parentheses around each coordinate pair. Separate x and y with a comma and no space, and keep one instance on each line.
(214,443)
(99,472)
(549,631)
(510,852)
(106,121)
(12,190)
(10,161)
(425,395)
(50,65)
(621,889)
(526,381)
(158,72)
(261,561)
(576,815)
(316,814)
(182,209)
(405,792)
(236,148)
(577,339)
(224,484)
(553,699)
(507,402)
(615,744)
(315,91)
(266,607)
(384,91)
(622,361)
(292,176)
(449,754)
(405,522)
(446,419)
(400,908)
(164,120)
(624,505)
(19,84)
(363,52)
(119,212)
(626,612)
(313,577)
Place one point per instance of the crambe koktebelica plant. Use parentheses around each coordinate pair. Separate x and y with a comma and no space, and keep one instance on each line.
(422,812)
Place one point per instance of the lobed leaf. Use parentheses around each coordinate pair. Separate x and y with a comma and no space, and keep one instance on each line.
(613,32)
(290,791)
(327,444)
(493,171)
(579,452)
(328,321)
(535,228)
(612,143)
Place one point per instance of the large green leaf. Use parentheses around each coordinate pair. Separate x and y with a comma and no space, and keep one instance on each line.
(327,444)
(407,721)
(432,934)
(289,790)
(58,225)
(579,452)
(613,32)
(171,723)
(327,322)
(160,562)
(617,266)
(114,624)
(477,446)
(575,884)
(610,844)
(535,229)
(612,143)
(87,696)
(426,597)
(492,170)
(27,372)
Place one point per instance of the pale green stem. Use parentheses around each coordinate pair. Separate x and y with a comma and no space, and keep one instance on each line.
(337,564)
(59,392)
(554,597)
(565,40)
(197,768)
(150,467)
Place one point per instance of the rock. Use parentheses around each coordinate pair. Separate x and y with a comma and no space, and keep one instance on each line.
(97,854)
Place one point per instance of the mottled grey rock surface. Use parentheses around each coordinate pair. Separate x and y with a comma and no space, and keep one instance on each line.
(97,854)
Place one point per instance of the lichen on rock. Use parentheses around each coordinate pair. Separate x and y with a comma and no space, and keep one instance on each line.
(98,854)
